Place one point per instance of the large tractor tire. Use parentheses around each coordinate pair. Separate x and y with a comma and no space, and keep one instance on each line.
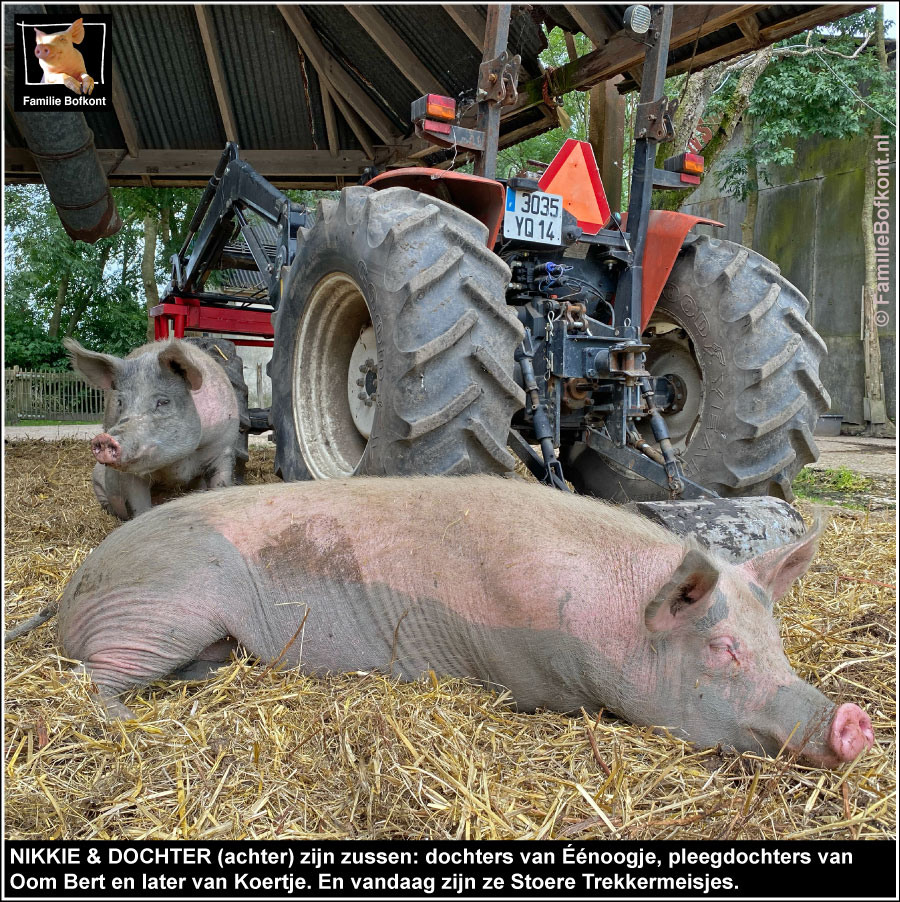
(394,347)
(731,334)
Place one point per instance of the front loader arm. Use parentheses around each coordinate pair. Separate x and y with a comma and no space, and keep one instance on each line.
(236,188)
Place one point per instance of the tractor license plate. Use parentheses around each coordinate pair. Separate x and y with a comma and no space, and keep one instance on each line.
(533,216)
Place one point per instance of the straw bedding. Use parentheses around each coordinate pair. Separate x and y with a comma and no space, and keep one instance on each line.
(261,754)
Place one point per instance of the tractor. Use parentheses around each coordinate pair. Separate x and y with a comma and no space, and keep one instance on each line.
(439,322)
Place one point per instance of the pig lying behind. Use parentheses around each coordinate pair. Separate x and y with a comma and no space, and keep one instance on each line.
(171,421)
(596,608)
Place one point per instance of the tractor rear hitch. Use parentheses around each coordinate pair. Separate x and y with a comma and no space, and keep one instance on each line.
(661,434)
(543,431)
(631,459)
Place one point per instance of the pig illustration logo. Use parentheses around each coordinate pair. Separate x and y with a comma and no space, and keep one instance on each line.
(61,62)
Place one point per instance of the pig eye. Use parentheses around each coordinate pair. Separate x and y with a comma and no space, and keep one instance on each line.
(724,647)
(161,402)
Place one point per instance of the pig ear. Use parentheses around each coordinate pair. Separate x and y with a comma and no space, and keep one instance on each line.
(76,29)
(775,570)
(40,35)
(687,595)
(101,370)
(176,361)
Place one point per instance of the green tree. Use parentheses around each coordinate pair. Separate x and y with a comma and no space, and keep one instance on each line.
(164,215)
(55,287)
(98,293)
(572,112)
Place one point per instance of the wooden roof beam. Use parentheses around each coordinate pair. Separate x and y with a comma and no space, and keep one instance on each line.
(333,73)
(119,100)
(594,22)
(591,21)
(200,163)
(824,14)
(330,122)
(216,72)
(396,49)
(768,35)
(621,53)
(749,27)
(357,126)
(470,21)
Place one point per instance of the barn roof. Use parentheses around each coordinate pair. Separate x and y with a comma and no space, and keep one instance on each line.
(315,93)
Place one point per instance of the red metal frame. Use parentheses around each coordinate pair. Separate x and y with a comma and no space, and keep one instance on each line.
(190,313)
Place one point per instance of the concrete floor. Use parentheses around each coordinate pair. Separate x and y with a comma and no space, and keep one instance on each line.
(868,456)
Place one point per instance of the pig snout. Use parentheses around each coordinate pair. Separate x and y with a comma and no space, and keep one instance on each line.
(850,732)
(42,52)
(106,449)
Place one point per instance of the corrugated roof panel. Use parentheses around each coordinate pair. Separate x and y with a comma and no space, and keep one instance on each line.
(165,76)
(263,77)
(349,43)
(105,126)
(436,40)
(276,98)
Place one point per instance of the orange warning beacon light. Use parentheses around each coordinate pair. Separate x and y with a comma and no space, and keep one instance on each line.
(573,173)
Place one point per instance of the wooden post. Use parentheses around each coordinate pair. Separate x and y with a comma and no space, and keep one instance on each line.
(20,393)
(606,132)
(15,394)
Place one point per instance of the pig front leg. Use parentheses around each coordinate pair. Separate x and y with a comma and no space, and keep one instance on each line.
(73,84)
(121,494)
(221,473)
(87,84)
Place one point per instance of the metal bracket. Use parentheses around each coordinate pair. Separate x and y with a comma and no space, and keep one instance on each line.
(653,120)
(454,136)
(624,360)
(497,79)
(637,463)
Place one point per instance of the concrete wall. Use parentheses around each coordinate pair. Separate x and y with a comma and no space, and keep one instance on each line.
(809,223)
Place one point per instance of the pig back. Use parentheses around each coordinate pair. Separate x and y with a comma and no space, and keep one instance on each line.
(412,575)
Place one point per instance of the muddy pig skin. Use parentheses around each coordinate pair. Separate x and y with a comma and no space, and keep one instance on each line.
(596,608)
(170,422)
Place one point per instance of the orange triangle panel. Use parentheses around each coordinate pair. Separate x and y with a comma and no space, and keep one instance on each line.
(574,175)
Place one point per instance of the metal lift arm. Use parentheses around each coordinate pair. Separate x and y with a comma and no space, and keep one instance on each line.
(236,188)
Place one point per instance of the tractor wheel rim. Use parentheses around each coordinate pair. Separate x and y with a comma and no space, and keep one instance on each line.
(362,381)
(672,355)
(332,431)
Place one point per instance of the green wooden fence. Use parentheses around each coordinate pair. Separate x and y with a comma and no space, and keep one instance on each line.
(49,396)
